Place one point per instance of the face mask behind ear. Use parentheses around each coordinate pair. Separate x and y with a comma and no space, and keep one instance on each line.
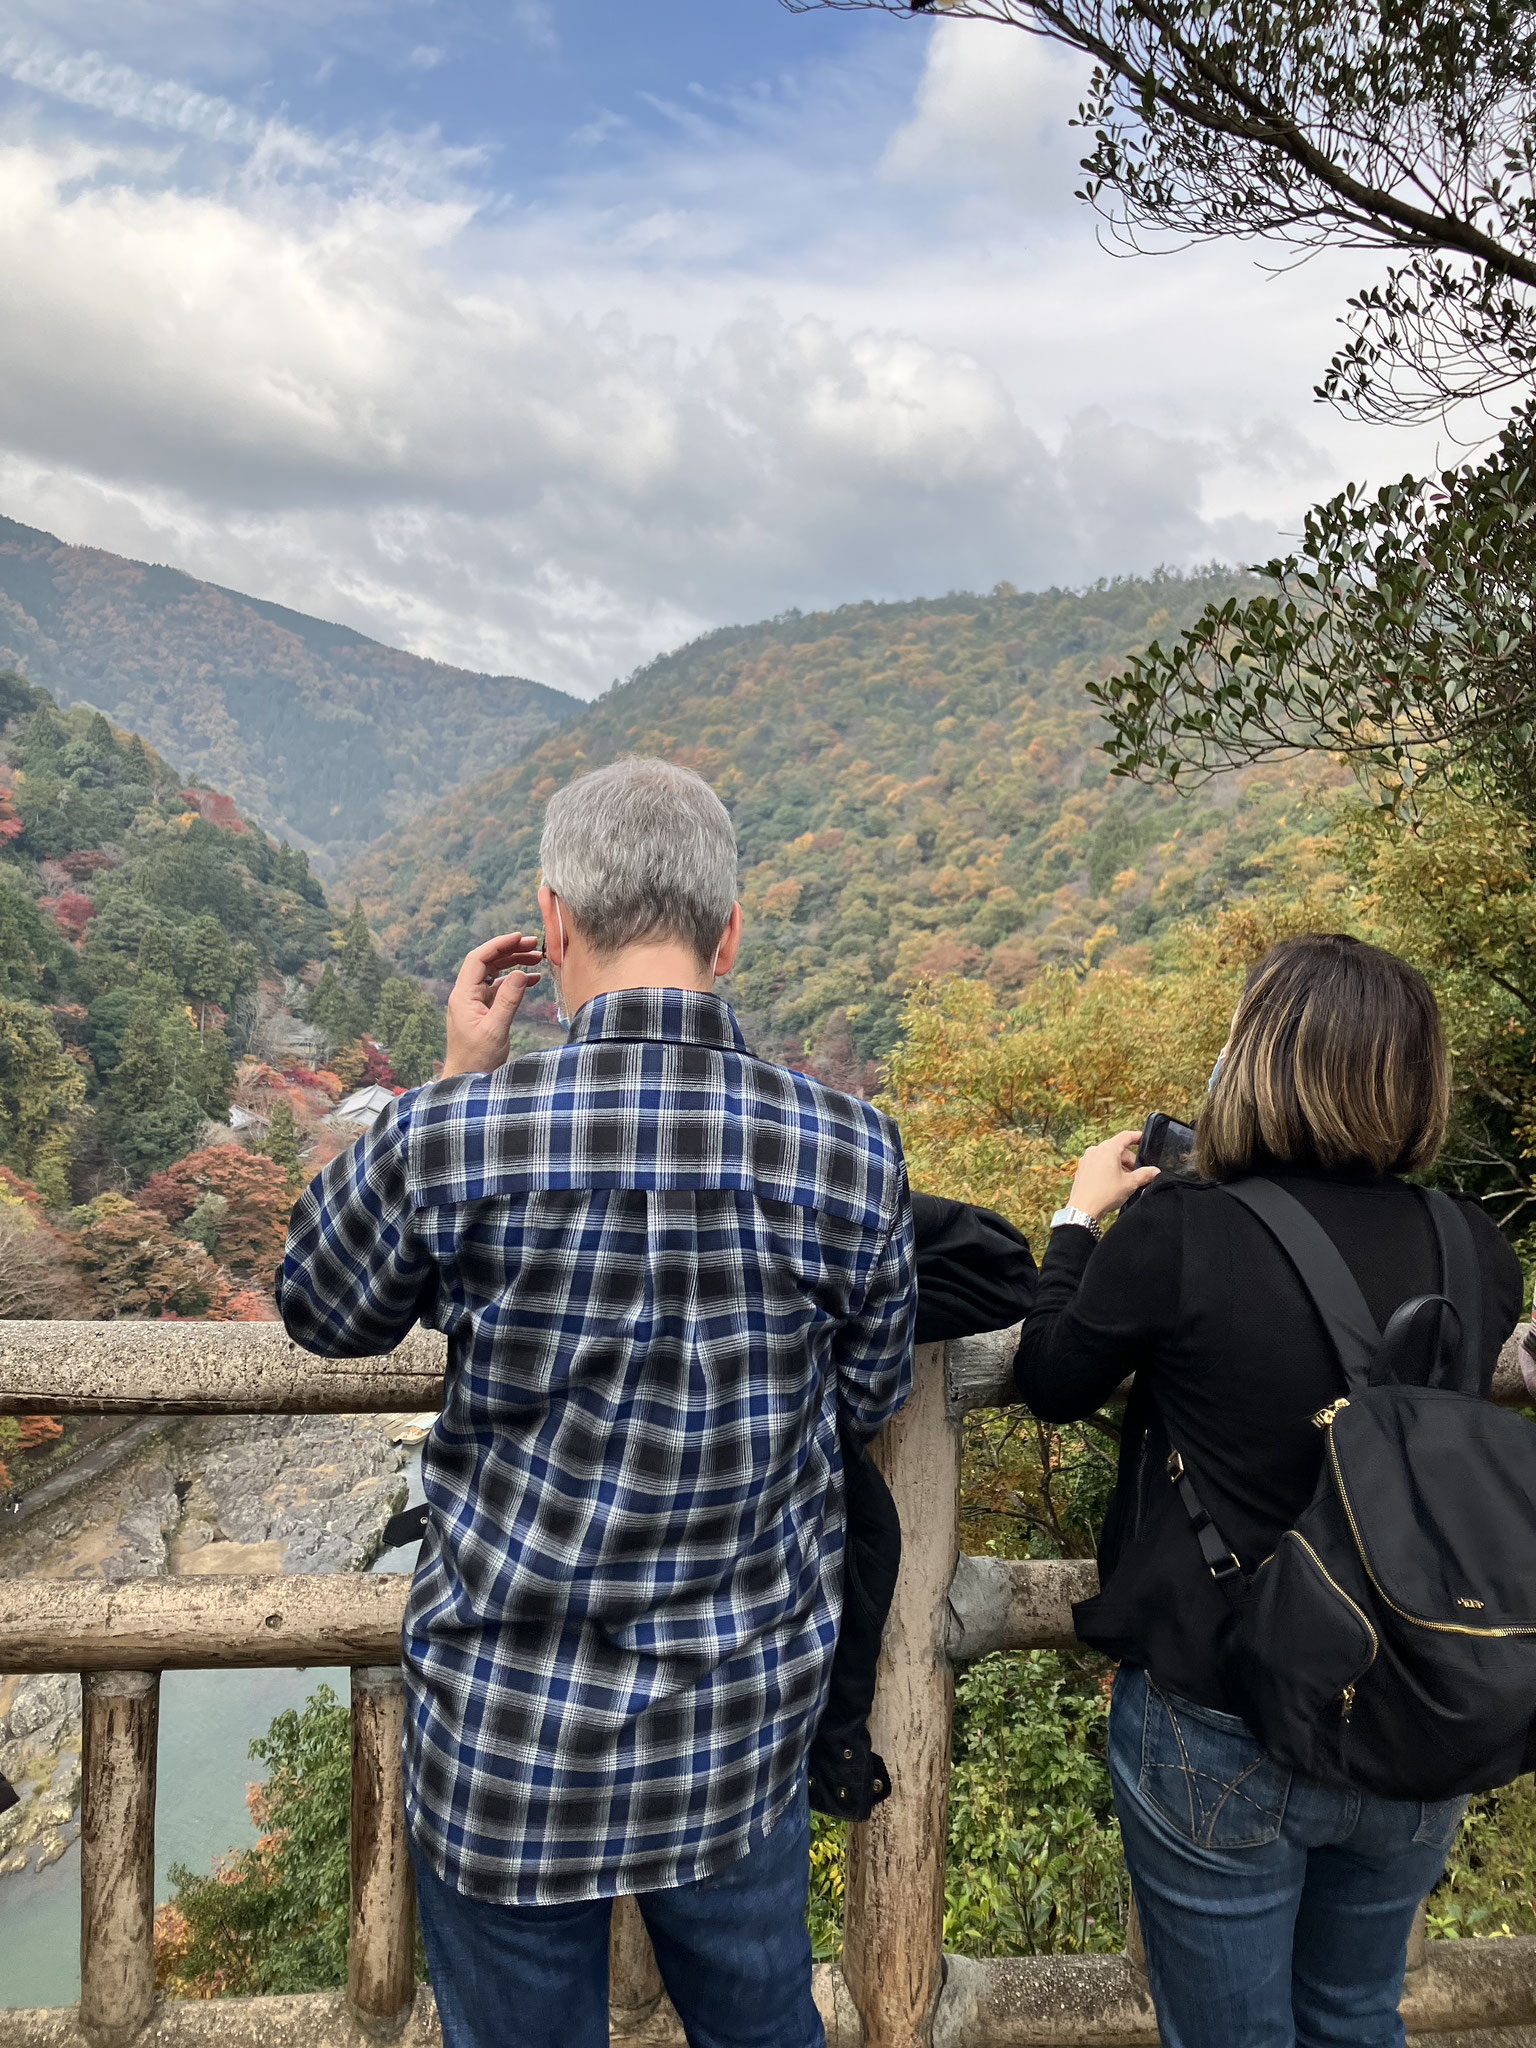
(557,975)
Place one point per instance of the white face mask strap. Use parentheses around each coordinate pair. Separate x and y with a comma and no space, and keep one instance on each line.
(559,972)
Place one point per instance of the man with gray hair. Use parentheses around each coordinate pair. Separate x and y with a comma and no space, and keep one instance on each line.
(669,1273)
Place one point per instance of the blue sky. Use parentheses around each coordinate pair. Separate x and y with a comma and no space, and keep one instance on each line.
(542,335)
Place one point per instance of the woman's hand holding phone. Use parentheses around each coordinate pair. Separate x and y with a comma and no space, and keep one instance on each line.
(1107,1175)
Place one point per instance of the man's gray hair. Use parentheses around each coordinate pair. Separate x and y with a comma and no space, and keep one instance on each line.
(640,850)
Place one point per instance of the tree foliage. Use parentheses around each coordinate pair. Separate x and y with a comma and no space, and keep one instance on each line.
(272,1919)
(1401,635)
(1401,632)
(247,1227)
(136,915)
(41,1089)
(136,1266)
(1403,127)
(917,789)
(1455,893)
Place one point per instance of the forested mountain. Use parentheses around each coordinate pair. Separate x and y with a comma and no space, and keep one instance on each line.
(181,1011)
(321,733)
(917,788)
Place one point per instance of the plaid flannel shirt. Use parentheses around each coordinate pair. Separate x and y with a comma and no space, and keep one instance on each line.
(665,1268)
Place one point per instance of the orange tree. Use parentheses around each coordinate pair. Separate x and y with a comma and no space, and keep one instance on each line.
(234,1202)
(995,1103)
(135,1265)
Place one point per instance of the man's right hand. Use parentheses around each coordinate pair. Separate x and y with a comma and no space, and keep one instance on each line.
(482,1006)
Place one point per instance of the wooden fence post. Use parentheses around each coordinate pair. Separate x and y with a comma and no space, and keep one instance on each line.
(893,1926)
(634,1982)
(381,1945)
(121,1720)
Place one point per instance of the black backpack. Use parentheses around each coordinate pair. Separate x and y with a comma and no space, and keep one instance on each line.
(1389,1641)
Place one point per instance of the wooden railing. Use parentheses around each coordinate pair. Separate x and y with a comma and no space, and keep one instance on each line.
(895,1988)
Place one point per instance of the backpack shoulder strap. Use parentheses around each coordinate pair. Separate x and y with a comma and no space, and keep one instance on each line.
(1334,1290)
(1462,1280)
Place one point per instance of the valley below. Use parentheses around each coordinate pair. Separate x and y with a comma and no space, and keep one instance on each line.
(251,1494)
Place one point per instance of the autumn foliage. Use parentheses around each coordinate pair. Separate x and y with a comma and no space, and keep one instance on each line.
(242,1198)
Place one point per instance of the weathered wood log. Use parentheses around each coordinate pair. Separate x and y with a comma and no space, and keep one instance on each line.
(381,1942)
(634,1982)
(121,1715)
(206,1368)
(893,1924)
(254,1369)
(1009,1604)
(196,1624)
(979,1370)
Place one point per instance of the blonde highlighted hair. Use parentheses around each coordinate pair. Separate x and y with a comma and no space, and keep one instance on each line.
(1336,1059)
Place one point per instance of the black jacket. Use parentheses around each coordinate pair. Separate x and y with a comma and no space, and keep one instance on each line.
(974,1272)
(1191,1294)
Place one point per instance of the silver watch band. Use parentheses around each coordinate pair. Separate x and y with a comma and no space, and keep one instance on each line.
(1078,1218)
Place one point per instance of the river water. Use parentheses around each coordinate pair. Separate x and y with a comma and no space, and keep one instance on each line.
(207,1721)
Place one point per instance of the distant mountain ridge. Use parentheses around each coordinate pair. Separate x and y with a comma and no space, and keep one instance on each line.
(917,788)
(323,734)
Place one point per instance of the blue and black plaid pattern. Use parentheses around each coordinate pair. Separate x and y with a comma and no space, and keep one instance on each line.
(664,1267)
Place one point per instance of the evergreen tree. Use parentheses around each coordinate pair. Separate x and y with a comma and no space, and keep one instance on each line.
(281,1143)
(416,1047)
(411,1027)
(361,969)
(334,1010)
(168,1078)
(41,1088)
(207,962)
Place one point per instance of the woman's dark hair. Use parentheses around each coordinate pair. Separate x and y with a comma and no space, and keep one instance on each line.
(1336,1058)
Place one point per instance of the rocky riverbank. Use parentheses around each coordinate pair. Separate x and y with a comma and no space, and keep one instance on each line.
(232,1494)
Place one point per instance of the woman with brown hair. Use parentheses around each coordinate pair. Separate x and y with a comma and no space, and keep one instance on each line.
(1275,1909)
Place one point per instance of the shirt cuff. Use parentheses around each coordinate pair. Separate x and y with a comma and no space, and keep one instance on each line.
(1068,1251)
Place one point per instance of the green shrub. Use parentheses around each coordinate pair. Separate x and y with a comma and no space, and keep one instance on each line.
(1034,1864)
(273,1918)
(1489,1885)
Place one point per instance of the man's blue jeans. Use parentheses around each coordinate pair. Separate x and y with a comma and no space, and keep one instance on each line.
(733,1952)
(1275,1911)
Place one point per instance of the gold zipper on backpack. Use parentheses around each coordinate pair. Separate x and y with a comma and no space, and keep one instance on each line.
(1445,1628)
(1353,1605)
(1323,1419)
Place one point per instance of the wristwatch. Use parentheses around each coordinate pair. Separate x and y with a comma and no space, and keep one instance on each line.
(1081,1218)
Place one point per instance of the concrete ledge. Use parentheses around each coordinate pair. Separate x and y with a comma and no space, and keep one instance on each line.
(1470,1994)
(1467,1992)
(321,2020)
(206,1369)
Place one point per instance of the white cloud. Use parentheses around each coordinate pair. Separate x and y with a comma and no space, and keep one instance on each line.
(735,373)
(994,103)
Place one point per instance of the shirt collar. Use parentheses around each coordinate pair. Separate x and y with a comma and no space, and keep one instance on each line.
(682,1015)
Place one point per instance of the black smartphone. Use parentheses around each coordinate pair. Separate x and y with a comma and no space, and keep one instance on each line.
(1166,1144)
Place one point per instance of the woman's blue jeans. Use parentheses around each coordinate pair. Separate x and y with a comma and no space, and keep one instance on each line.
(1275,1911)
(732,1949)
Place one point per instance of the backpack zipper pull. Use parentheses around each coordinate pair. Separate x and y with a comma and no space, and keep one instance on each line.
(1346,1702)
(1324,1417)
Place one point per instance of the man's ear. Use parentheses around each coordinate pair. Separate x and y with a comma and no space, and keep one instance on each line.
(730,940)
